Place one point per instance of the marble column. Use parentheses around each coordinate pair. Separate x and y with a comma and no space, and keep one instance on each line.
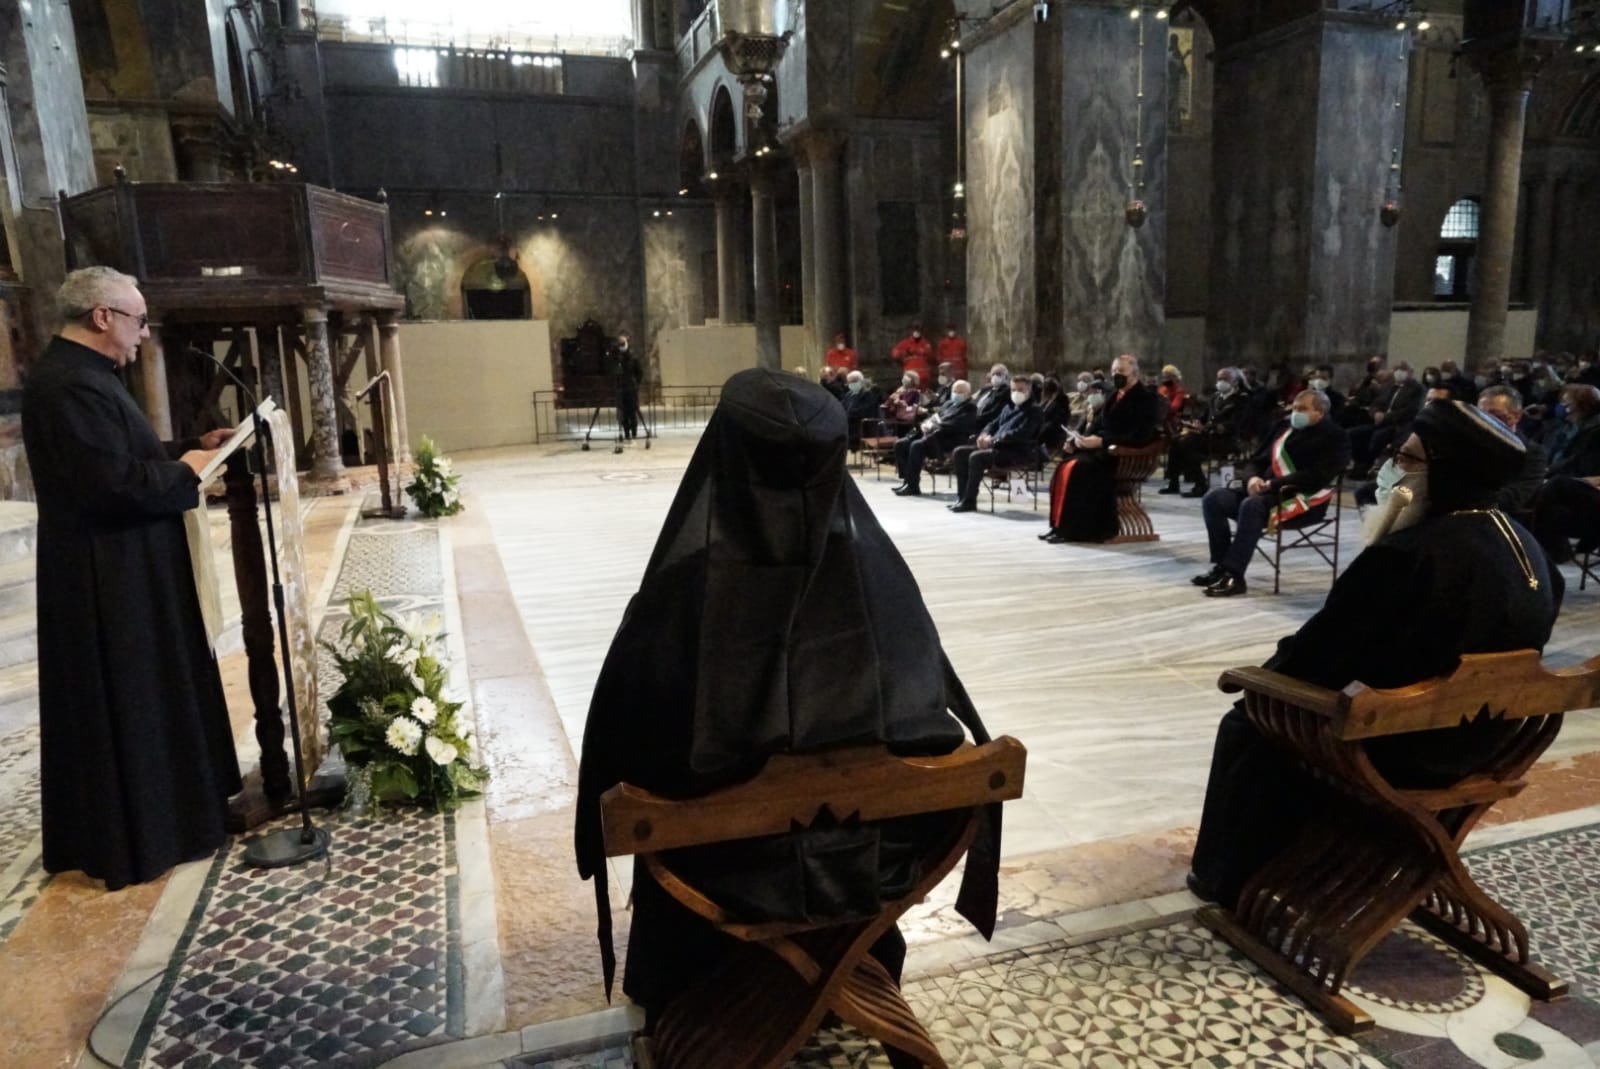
(153,371)
(808,272)
(269,355)
(389,352)
(730,258)
(764,232)
(1508,75)
(827,202)
(1301,265)
(326,463)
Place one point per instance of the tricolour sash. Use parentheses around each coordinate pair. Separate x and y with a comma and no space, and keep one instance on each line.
(1300,504)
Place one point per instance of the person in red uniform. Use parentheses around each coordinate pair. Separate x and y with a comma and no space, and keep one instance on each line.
(915,353)
(841,356)
(953,351)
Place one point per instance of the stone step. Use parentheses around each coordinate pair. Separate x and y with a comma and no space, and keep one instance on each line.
(19,638)
(19,524)
(19,696)
(17,586)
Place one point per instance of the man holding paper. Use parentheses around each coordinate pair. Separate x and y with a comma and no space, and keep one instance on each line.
(136,751)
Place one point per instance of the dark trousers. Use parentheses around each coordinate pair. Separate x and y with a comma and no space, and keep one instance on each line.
(969,463)
(1367,444)
(1234,550)
(1186,459)
(1566,508)
(628,412)
(909,453)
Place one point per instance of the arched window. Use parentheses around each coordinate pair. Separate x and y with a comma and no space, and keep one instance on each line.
(1458,241)
(496,289)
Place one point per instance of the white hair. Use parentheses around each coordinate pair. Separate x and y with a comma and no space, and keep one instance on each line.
(91,287)
(854,376)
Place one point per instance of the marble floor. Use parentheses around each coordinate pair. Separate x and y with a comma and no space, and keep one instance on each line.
(1102,660)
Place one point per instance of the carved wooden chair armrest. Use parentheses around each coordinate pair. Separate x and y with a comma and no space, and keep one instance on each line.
(761,1006)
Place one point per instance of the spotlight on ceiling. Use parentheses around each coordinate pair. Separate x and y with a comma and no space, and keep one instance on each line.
(1162,13)
(1134,13)
(1424,24)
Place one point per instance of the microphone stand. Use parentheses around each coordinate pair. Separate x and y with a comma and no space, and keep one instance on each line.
(286,846)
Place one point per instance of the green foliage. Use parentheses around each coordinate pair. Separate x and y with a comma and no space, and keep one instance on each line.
(399,734)
(433,482)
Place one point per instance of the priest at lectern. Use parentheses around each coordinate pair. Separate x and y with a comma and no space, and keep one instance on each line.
(136,751)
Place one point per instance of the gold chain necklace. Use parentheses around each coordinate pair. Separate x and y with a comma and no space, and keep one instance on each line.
(1517,548)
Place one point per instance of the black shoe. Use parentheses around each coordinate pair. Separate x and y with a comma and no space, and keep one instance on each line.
(909,491)
(1200,889)
(1170,488)
(1195,491)
(1046,536)
(898,487)
(1056,538)
(962,506)
(1229,586)
(1210,577)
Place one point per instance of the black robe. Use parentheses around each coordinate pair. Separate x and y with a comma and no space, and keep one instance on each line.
(1083,504)
(775,616)
(136,751)
(1406,610)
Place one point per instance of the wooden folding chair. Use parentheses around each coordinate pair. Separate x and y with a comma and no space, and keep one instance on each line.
(761,1005)
(1134,465)
(1386,851)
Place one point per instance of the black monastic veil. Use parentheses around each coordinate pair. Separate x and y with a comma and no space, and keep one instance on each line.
(775,616)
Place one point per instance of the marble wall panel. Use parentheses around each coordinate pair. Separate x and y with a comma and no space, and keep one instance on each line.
(655,128)
(1360,125)
(1189,94)
(135,139)
(1113,275)
(892,161)
(674,287)
(1263,151)
(545,144)
(588,262)
(829,59)
(1000,165)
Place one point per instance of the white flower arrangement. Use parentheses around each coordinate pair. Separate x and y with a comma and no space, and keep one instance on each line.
(399,734)
(433,482)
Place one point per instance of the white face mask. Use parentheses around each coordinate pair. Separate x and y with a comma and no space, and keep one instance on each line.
(997,380)
(907,383)
(1083,385)
(1402,376)
(1224,386)
(944,380)
(916,333)
(961,398)
(949,333)
(1319,384)
(839,345)
(1018,397)
(1096,400)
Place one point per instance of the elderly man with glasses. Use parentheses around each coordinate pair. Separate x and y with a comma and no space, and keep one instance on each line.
(136,751)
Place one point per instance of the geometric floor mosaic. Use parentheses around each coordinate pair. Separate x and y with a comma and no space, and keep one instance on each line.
(1176,995)
(347,962)
(1552,883)
(19,825)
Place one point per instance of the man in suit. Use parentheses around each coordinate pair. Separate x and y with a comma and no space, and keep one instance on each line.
(863,402)
(995,395)
(1304,455)
(1009,439)
(952,425)
(1397,405)
(1516,496)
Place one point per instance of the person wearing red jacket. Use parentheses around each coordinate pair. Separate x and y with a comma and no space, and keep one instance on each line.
(914,353)
(841,356)
(953,351)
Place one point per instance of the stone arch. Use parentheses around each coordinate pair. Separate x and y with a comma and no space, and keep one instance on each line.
(724,127)
(496,288)
(692,160)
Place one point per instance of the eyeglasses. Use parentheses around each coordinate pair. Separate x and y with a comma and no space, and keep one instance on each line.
(1406,460)
(144,320)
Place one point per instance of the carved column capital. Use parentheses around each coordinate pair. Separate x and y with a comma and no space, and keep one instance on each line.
(1514,66)
(314,313)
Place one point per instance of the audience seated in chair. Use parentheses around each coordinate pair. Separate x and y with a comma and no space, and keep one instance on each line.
(995,395)
(1172,392)
(863,404)
(1568,505)
(1057,410)
(1396,406)
(1321,378)
(952,425)
(1451,576)
(1222,431)
(1010,439)
(905,406)
(1083,505)
(775,617)
(833,380)
(1303,456)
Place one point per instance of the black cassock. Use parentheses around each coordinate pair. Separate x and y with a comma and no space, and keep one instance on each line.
(1406,610)
(775,616)
(135,746)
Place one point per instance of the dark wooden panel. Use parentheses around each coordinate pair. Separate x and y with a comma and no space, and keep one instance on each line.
(227,233)
(349,237)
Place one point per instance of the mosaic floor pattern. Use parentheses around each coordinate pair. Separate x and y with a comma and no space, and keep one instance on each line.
(314,964)
(21,872)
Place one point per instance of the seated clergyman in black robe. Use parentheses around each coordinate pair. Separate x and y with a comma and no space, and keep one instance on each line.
(775,616)
(1451,576)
